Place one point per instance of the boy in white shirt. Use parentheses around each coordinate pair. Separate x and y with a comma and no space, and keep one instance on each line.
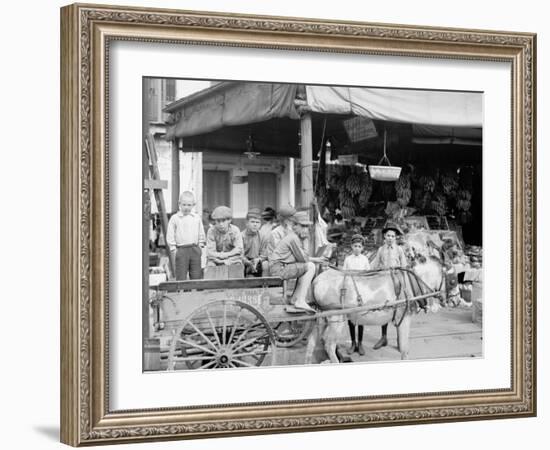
(185,238)
(356,261)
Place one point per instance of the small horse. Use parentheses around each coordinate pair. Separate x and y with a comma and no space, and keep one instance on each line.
(336,289)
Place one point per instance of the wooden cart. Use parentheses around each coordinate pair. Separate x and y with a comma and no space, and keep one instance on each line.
(206,324)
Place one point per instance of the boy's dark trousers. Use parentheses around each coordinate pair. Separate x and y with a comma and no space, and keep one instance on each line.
(188,259)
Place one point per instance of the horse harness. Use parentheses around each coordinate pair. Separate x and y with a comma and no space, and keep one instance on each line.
(397,275)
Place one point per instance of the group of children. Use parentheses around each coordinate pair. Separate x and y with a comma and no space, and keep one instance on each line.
(272,248)
(267,247)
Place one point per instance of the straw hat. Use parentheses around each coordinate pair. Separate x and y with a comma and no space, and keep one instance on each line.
(392,226)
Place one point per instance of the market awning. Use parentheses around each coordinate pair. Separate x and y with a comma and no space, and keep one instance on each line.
(226,116)
(231,104)
(441,108)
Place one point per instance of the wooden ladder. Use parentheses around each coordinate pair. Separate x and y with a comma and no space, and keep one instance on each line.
(155,184)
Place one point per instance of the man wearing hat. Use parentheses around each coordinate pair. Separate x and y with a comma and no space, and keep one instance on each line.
(290,260)
(224,243)
(252,244)
(389,255)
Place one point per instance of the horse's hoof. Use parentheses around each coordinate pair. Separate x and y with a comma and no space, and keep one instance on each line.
(352,349)
(381,343)
(360,350)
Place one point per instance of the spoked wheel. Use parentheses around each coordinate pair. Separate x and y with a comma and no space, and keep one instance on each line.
(221,334)
(290,333)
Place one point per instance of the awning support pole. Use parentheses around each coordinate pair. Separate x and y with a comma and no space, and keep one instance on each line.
(175,187)
(306,152)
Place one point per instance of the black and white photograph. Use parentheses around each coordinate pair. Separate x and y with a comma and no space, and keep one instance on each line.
(295,224)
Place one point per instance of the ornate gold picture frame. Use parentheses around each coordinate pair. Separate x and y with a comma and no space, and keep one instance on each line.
(87,32)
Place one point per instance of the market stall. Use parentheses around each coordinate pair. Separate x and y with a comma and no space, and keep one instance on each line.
(337,133)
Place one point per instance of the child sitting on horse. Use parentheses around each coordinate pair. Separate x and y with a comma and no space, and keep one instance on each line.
(356,261)
(389,255)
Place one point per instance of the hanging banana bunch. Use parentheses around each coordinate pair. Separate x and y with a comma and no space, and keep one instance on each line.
(439,204)
(449,183)
(464,194)
(403,189)
(322,195)
(427,182)
(366,189)
(353,184)
(464,200)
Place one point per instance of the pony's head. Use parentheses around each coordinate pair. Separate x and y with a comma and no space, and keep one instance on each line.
(440,276)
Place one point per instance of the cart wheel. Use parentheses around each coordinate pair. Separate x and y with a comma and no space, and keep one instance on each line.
(290,333)
(223,333)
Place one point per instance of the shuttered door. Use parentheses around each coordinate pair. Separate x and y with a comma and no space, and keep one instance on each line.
(215,189)
(262,190)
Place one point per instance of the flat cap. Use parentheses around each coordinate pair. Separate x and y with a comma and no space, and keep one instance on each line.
(253,213)
(301,218)
(287,211)
(222,212)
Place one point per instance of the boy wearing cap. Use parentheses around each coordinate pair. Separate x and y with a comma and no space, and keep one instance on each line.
(224,243)
(185,238)
(268,222)
(356,261)
(252,244)
(279,232)
(289,260)
(389,255)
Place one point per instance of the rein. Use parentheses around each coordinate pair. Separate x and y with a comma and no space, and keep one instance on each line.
(421,285)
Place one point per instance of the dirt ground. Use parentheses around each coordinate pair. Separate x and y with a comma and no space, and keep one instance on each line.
(449,333)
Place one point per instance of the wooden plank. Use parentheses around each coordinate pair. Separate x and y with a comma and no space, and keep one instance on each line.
(234,283)
(155,184)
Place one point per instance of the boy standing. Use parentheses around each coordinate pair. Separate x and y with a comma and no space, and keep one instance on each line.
(389,255)
(356,261)
(185,238)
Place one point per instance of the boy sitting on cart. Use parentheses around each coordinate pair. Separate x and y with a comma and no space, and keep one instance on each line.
(224,245)
(289,259)
(252,259)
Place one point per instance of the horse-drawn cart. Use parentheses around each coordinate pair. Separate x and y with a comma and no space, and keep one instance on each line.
(233,323)
(224,323)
